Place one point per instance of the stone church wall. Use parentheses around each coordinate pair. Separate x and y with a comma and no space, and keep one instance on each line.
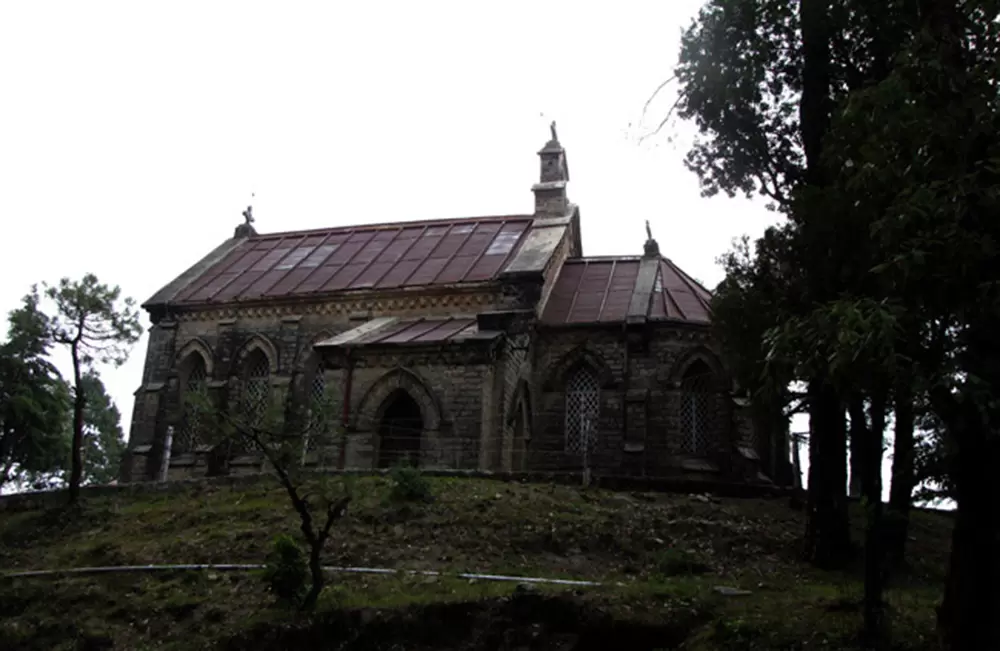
(648,400)
(287,339)
(284,332)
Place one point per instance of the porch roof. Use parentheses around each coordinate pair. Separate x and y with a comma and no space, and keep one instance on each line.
(397,331)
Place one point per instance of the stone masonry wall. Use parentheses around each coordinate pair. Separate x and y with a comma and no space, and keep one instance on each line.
(286,339)
(652,443)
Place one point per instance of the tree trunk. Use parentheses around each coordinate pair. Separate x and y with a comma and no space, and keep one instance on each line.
(79,400)
(875,633)
(970,610)
(316,572)
(969,614)
(827,539)
(859,432)
(897,523)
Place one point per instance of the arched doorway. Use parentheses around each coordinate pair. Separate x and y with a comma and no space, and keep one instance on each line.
(399,431)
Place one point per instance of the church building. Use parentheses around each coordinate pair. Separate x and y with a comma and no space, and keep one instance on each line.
(486,343)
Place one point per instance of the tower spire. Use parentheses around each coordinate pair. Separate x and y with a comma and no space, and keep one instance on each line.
(550,191)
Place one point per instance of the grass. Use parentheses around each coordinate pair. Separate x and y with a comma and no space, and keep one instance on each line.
(661,554)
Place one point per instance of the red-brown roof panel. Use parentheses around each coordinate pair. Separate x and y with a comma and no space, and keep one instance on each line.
(363,257)
(620,289)
(445,330)
(410,333)
(690,300)
(600,290)
(590,292)
(394,331)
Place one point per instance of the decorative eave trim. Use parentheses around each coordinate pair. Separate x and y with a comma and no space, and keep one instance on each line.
(370,304)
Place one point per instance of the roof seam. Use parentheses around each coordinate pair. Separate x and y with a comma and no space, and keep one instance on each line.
(576,293)
(378,282)
(481,253)
(468,236)
(346,262)
(233,279)
(274,267)
(203,282)
(607,290)
(317,267)
(668,296)
(374,257)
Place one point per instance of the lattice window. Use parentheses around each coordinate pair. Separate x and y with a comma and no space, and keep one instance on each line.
(583,399)
(697,415)
(256,389)
(194,384)
(317,406)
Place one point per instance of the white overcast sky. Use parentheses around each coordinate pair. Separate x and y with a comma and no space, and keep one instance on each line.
(132,133)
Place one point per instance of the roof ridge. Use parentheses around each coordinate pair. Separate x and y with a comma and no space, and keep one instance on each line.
(604,258)
(414,223)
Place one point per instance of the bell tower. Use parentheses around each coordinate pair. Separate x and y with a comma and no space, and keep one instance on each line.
(550,191)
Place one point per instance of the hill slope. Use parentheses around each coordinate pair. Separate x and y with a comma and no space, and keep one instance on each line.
(659,557)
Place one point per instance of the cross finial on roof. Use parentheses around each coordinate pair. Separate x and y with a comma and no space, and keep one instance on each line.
(248,215)
(649,232)
(552,128)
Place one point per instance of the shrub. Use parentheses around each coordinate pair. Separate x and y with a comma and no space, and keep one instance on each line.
(286,572)
(677,562)
(409,485)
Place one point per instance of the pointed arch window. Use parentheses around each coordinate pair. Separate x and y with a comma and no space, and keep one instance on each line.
(697,414)
(583,399)
(193,377)
(316,400)
(256,388)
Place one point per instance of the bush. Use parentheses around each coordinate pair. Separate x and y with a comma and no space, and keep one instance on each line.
(409,485)
(679,563)
(286,573)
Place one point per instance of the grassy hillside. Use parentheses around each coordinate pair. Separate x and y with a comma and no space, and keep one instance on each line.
(661,556)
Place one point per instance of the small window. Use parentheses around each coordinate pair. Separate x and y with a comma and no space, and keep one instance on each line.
(194,384)
(256,389)
(696,409)
(582,409)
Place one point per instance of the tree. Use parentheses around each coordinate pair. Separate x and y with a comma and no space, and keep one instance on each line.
(97,330)
(104,442)
(766,81)
(33,398)
(926,142)
(282,434)
(745,306)
(760,79)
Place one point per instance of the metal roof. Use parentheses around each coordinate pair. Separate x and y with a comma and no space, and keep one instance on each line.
(599,290)
(397,331)
(383,256)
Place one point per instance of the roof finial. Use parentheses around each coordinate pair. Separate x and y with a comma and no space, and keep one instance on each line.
(246,229)
(552,128)
(248,213)
(651,248)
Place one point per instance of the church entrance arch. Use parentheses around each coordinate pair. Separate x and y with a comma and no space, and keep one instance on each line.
(399,430)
